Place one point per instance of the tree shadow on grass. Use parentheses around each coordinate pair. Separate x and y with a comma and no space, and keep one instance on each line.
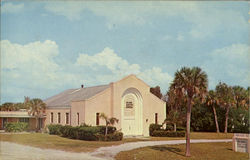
(170,149)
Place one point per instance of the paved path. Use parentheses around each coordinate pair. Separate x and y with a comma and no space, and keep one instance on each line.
(110,152)
(12,151)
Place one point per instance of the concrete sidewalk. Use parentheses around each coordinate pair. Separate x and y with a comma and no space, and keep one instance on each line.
(110,152)
(12,151)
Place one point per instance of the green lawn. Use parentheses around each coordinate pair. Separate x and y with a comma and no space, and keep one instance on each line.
(206,151)
(56,142)
(199,135)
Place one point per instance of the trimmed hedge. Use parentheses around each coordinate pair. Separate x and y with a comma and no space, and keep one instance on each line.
(90,133)
(16,126)
(116,136)
(180,128)
(55,129)
(162,133)
(169,127)
(154,127)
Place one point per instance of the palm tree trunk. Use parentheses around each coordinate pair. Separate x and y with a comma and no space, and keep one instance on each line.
(106,130)
(216,121)
(36,124)
(188,128)
(174,127)
(226,121)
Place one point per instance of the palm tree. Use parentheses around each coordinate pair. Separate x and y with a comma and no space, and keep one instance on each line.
(190,82)
(173,118)
(240,95)
(173,102)
(212,101)
(226,99)
(109,121)
(8,107)
(36,108)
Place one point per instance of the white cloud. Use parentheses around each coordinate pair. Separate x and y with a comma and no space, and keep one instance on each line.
(229,64)
(32,69)
(32,64)
(109,59)
(121,67)
(11,8)
(206,18)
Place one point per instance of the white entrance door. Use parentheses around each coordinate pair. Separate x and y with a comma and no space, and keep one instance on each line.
(131,114)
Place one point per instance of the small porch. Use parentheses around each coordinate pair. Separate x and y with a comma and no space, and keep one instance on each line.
(20,116)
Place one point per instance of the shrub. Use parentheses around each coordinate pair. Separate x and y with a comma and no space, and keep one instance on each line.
(66,130)
(55,129)
(154,127)
(169,127)
(180,128)
(16,126)
(116,136)
(84,132)
(88,133)
(111,129)
(161,133)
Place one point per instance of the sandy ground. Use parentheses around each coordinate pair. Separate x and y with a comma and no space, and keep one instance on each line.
(110,152)
(12,151)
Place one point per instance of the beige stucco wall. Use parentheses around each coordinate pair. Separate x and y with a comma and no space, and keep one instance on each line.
(99,103)
(151,104)
(77,107)
(55,111)
(109,102)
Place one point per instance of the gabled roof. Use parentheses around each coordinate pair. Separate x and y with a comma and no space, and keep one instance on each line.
(64,98)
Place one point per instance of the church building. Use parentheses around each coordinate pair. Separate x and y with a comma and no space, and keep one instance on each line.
(128,100)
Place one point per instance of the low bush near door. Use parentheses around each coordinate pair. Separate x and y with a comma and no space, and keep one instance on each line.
(156,131)
(154,127)
(116,136)
(16,126)
(90,133)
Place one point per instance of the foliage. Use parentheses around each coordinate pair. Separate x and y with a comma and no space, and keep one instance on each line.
(202,118)
(90,133)
(153,127)
(116,136)
(109,121)
(169,127)
(162,133)
(239,120)
(226,99)
(191,83)
(156,91)
(180,129)
(16,126)
(55,129)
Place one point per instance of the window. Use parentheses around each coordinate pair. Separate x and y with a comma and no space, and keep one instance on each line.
(51,117)
(26,120)
(59,117)
(129,104)
(67,118)
(156,118)
(78,118)
(97,119)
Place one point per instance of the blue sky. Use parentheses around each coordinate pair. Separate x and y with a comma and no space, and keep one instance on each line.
(47,47)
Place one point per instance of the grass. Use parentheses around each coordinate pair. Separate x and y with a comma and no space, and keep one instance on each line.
(198,135)
(207,151)
(56,142)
